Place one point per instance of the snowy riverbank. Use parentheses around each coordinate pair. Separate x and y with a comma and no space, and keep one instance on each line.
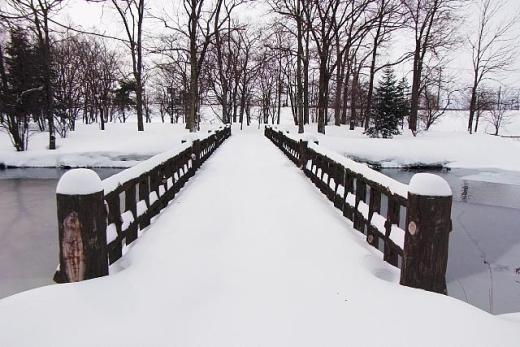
(446,145)
(120,145)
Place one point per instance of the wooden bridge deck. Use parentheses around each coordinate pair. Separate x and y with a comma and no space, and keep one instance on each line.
(248,254)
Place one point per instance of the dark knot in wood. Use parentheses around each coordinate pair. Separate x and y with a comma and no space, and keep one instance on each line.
(72,246)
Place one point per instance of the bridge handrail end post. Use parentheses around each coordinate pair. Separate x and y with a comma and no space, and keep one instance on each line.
(82,225)
(428,224)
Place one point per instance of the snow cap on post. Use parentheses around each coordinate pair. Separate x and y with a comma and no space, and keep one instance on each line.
(81,226)
(79,182)
(426,184)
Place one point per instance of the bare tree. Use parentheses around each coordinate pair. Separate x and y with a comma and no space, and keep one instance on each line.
(202,27)
(433,24)
(293,10)
(132,15)
(493,47)
(247,76)
(224,70)
(485,102)
(349,46)
(324,19)
(266,81)
(174,75)
(67,61)
(386,20)
(498,116)
(433,106)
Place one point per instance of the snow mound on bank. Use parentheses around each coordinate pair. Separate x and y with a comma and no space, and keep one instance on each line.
(119,145)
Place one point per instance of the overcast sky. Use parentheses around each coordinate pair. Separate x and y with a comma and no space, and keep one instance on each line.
(103,18)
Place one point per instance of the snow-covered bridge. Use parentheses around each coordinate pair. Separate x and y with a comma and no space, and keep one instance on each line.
(248,254)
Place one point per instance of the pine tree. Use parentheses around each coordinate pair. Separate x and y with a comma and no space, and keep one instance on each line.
(122,98)
(388,109)
(23,94)
(23,71)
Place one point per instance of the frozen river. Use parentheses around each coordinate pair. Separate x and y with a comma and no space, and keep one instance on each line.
(484,254)
(484,262)
(28,227)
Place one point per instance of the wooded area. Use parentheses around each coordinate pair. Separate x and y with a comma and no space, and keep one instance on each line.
(322,59)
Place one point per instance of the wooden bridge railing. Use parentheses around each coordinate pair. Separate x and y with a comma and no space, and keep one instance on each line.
(382,209)
(98,219)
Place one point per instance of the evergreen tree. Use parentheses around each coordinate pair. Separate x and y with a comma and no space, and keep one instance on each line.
(23,72)
(22,94)
(388,110)
(122,98)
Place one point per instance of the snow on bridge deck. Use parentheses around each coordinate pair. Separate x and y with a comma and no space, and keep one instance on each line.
(248,254)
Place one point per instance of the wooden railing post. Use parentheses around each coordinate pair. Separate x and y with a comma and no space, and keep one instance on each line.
(82,227)
(303,153)
(428,224)
(196,158)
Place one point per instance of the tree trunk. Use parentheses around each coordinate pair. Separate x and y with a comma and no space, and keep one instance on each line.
(353,101)
(473,103)
(194,80)
(370,86)
(223,80)
(371,76)
(242,104)
(45,41)
(102,118)
(248,113)
(3,80)
(279,94)
(477,120)
(299,58)
(306,81)
(322,93)
(339,83)
(346,70)
(416,88)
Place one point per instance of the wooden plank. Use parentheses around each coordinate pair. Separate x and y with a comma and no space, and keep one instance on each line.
(144,194)
(349,188)
(361,195)
(131,205)
(374,207)
(392,217)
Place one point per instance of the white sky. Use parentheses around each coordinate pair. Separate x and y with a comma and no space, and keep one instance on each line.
(103,18)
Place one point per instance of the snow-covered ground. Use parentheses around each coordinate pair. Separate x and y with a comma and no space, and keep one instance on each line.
(120,145)
(254,271)
(446,144)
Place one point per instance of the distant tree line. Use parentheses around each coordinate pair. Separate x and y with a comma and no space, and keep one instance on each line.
(321,59)
(85,78)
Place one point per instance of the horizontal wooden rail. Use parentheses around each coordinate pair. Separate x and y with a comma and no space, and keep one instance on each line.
(379,207)
(130,199)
